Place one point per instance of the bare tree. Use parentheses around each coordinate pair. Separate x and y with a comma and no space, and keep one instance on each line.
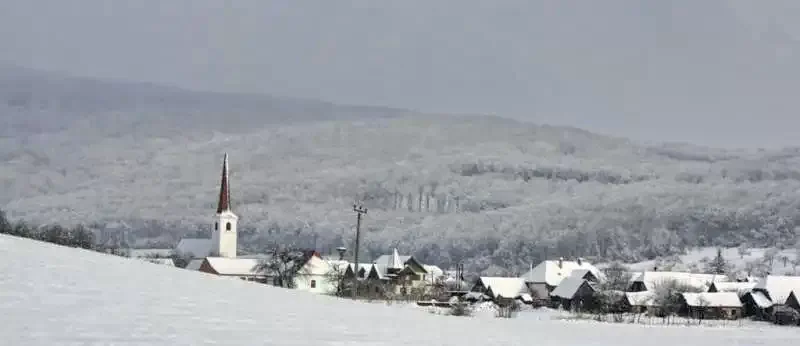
(743,250)
(769,256)
(283,265)
(617,277)
(702,304)
(336,276)
(666,296)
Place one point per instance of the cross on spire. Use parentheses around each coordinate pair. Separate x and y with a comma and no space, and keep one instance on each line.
(224,189)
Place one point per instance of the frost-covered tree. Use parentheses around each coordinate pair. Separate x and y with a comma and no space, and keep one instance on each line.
(282,265)
(742,250)
(718,265)
(769,256)
(617,277)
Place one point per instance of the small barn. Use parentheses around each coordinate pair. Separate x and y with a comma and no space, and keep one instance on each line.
(574,293)
(715,305)
(792,301)
(639,302)
(502,290)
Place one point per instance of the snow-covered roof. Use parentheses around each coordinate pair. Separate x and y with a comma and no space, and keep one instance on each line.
(643,298)
(761,300)
(526,297)
(740,288)
(198,247)
(702,281)
(386,259)
(476,296)
(551,273)
(505,287)
(341,265)
(713,299)
(194,264)
(136,253)
(163,261)
(394,261)
(568,287)
(233,266)
(435,271)
(380,270)
(581,273)
(315,266)
(778,287)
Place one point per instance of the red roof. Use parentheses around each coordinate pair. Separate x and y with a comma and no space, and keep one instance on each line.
(224,190)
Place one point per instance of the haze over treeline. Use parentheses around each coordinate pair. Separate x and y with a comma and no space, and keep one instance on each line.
(648,70)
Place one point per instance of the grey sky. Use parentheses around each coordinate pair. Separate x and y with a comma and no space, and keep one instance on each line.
(713,72)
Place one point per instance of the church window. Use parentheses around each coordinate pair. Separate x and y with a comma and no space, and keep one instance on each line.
(313,283)
(228,226)
(216,226)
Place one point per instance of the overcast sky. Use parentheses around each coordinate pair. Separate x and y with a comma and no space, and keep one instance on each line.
(718,72)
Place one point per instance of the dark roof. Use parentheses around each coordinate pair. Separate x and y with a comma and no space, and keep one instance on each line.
(224,190)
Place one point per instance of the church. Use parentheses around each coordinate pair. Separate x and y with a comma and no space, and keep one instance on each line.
(223,241)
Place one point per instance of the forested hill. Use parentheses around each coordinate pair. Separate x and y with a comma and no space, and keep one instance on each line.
(485,190)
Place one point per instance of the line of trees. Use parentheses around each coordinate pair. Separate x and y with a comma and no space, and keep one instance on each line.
(77,236)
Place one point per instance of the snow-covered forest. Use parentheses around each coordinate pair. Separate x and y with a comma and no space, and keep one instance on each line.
(491,192)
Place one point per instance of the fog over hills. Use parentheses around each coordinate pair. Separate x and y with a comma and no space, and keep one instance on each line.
(489,191)
(661,70)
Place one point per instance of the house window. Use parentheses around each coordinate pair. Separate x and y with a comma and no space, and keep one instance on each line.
(313,283)
(228,226)
(216,226)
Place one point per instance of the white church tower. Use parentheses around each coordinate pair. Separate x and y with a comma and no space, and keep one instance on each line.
(223,238)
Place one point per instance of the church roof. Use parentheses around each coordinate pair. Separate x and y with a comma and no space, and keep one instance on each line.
(197,247)
(394,261)
(224,190)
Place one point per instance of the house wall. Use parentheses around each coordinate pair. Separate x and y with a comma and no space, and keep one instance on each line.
(316,276)
(315,283)
(709,313)
(539,290)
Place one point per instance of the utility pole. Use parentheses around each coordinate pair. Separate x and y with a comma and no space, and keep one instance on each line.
(360,210)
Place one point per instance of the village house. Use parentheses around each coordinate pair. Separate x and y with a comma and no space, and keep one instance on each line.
(770,292)
(792,301)
(163,261)
(649,280)
(242,268)
(313,276)
(639,302)
(740,288)
(574,293)
(501,290)
(715,305)
(394,274)
(777,288)
(546,276)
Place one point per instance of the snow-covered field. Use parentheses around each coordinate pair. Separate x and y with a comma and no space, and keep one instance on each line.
(52,295)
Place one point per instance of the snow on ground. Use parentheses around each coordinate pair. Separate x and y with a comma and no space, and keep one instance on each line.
(52,295)
(782,263)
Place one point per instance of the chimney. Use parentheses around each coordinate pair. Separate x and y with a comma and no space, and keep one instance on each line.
(341,251)
(580,261)
(560,262)
(655,268)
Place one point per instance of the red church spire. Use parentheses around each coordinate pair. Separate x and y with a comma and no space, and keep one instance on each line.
(224,190)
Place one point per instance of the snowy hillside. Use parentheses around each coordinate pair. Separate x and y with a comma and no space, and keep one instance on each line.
(490,192)
(52,295)
(757,261)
